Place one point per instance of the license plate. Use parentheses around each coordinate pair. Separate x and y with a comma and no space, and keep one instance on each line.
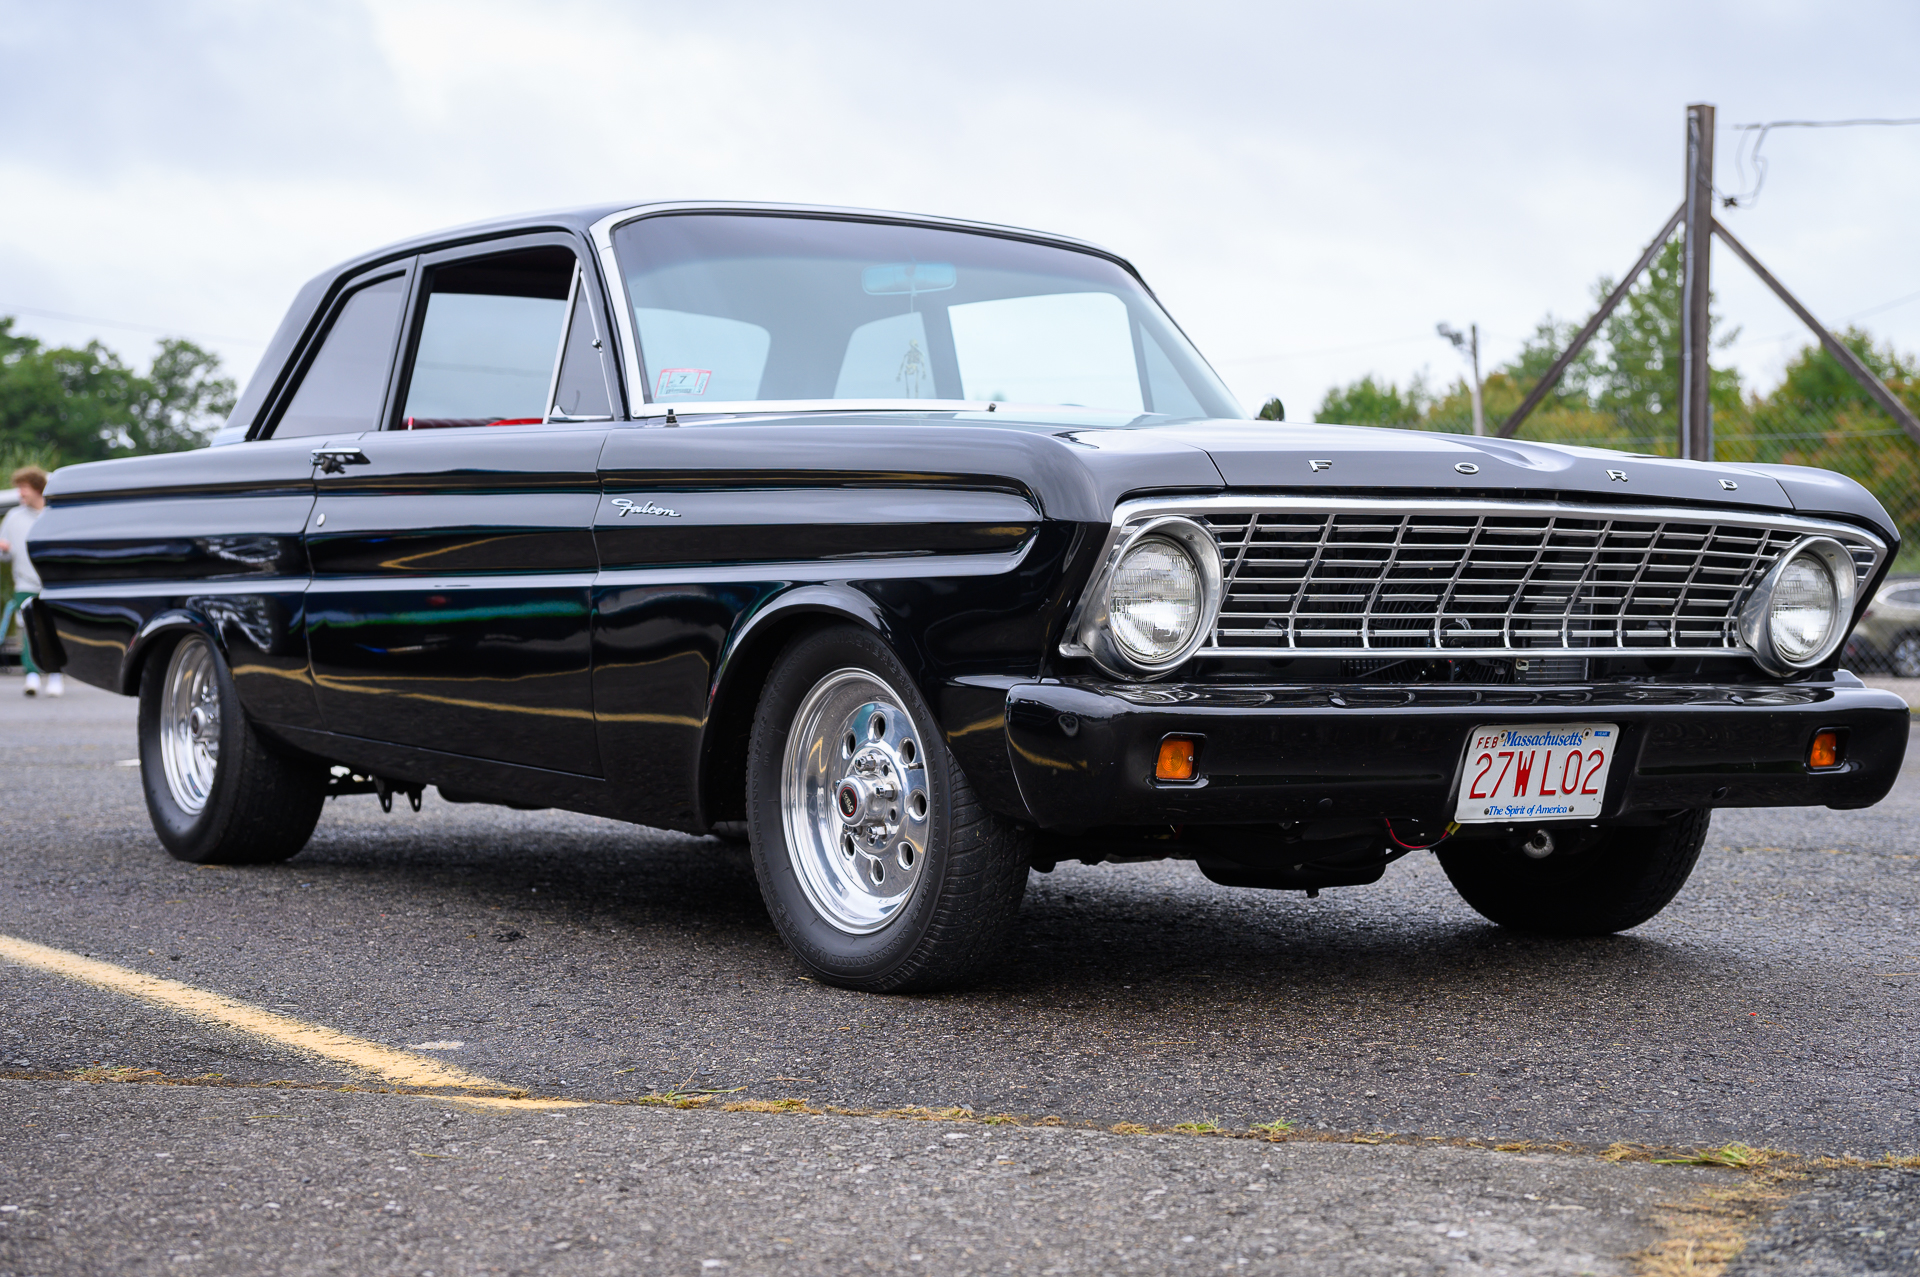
(1554,771)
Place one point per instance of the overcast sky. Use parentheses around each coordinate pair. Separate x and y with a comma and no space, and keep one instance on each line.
(1309,187)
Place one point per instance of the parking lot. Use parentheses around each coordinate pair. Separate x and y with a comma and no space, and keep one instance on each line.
(573,959)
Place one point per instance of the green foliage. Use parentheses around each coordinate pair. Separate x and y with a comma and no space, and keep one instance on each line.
(1637,370)
(1367,402)
(62,404)
(1817,377)
(1272,410)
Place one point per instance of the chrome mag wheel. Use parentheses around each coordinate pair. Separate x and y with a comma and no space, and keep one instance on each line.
(190,725)
(856,801)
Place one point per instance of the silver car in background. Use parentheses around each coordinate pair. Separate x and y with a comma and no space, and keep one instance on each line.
(1887,640)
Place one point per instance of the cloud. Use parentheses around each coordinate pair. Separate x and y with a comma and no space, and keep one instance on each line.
(1309,187)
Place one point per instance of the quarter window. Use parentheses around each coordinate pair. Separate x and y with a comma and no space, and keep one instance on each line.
(346,383)
(582,389)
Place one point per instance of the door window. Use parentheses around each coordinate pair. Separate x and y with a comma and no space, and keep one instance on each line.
(490,331)
(346,383)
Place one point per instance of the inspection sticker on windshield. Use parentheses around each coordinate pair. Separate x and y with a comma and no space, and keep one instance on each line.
(682,381)
(1555,771)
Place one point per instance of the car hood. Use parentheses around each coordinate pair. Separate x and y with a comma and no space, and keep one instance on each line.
(1355,460)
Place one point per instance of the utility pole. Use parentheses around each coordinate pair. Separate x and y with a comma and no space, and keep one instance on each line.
(1468,344)
(1696,376)
(1696,213)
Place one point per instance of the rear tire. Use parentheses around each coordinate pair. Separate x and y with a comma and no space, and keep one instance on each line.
(1619,882)
(880,868)
(217,794)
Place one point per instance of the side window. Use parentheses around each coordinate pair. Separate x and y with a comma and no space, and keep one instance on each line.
(490,331)
(342,390)
(581,390)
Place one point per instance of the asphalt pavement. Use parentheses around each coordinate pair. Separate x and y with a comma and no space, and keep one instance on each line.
(1772,1005)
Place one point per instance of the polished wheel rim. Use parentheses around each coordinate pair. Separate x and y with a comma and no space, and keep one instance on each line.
(856,801)
(1906,657)
(190,725)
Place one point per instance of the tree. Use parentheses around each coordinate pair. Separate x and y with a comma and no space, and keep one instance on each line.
(1815,377)
(63,404)
(183,399)
(1272,410)
(1636,374)
(1367,402)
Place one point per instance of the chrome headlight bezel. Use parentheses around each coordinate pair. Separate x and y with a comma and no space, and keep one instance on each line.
(1094,629)
(1756,615)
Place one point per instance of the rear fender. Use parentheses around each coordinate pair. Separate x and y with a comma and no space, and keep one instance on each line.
(159,634)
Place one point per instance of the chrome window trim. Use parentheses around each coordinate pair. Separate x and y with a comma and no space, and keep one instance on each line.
(601,235)
(566,330)
(1129,513)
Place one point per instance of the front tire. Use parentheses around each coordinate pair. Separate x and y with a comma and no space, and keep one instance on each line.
(1626,877)
(880,868)
(216,793)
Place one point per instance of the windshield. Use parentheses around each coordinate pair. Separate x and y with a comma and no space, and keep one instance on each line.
(733,307)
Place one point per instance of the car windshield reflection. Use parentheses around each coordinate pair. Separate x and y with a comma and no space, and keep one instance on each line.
(748,309)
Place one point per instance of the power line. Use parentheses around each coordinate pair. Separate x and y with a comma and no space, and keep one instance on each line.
(1845,319)
(1748,152)
(122,324)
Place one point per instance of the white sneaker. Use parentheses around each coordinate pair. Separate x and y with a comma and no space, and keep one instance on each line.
(33,685)
(56,685)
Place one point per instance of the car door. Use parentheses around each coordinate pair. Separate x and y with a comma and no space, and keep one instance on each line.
(452,551)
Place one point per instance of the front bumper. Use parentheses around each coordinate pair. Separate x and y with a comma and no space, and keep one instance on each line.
(1083,750)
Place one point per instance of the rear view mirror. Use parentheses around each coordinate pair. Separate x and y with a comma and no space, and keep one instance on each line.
(908,278)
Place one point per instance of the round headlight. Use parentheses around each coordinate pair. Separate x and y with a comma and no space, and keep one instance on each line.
(1798,613)
(1156,599)
(1804,609)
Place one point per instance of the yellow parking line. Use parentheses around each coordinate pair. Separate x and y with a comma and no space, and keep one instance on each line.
(402,1068)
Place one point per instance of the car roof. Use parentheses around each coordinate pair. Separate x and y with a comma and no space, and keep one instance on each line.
(308,303)
(581,221)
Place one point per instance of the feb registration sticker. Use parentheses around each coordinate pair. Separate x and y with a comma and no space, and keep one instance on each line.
(1536,772)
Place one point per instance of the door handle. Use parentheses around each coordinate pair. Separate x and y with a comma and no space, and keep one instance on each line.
(336,460)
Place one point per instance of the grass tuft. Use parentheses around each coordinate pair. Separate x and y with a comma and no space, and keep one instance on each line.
(114,1073)
(1272,1130)
(1131,1128)
(1734,1157)
(768,1106)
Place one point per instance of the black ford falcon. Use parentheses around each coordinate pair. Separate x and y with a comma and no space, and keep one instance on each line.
(924,554)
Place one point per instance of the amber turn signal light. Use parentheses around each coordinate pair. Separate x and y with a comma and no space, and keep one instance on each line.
(1176,758)
(1824,755)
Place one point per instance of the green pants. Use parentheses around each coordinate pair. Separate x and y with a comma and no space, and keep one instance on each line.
(6,625)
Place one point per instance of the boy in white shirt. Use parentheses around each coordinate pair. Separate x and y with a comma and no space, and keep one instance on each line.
(31,483)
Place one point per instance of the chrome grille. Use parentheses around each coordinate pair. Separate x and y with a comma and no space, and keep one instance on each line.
(1332,577)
